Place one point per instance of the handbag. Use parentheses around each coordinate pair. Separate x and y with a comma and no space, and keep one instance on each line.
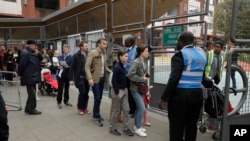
(142,88)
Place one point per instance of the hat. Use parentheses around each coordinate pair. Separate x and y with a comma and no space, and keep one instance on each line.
(29,42)
(221,43)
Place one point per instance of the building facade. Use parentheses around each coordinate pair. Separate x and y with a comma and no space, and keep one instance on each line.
(30,8)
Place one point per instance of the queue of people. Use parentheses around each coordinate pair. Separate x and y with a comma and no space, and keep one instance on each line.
(85,69)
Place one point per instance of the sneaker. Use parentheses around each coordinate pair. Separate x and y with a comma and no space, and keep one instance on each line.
(59,106)
(115,132)
(86,111)
(139,132)
(68,104)
(99,122)
(128,132)
(80,112)
(98,118)
(143,129)
(102,119)
(38,98)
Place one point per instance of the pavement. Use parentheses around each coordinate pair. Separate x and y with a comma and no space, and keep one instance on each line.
(67,125)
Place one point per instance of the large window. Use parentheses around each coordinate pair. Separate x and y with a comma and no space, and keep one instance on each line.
(47,4)
(10,0)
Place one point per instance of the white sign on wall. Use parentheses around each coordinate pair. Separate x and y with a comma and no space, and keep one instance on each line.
(196,30)
(59,46)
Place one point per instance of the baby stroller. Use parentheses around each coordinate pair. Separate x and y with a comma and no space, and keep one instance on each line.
(213,109)
(48,84)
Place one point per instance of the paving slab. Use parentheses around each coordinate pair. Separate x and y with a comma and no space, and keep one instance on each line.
(66,125)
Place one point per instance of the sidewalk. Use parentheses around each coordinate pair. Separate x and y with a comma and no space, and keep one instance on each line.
(66,125)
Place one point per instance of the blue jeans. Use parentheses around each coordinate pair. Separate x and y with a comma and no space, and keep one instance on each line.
(233,79)
(54,76)
(140,108)
(97,91)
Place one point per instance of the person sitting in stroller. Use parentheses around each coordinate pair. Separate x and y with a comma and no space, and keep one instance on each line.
(49,84)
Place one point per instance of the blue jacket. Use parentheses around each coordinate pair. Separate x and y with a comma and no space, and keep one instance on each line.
(119,77)
(29,68)
(194,65)
(132,55)
(177,94)
(68,59)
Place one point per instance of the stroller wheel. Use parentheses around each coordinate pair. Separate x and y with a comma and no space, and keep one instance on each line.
(202,129)
(216,136)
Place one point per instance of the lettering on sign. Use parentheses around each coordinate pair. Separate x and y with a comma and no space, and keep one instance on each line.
(171,34)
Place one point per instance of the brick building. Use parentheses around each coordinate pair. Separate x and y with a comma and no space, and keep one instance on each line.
(30,8)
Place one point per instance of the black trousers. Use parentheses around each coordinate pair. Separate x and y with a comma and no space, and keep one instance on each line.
(4,128)
(63,83)
(83,97)
(31,101)
(183,119)
(9,76)
(131,101)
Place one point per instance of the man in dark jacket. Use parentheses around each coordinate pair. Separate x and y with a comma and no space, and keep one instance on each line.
(184,90)
(132,55)
(77,74)
(63,77)
(29,70)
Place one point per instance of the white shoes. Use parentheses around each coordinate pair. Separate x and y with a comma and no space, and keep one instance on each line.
(140,132)
(37,97)
(143,129)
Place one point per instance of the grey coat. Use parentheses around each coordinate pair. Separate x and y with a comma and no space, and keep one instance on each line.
(136,73)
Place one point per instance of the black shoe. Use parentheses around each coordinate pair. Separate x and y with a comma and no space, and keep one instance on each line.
(128,132)
(102,119)
(132,116)
(35,112)
(99,122)
(59,106)
(26,111)
(68,104)
(115,132)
